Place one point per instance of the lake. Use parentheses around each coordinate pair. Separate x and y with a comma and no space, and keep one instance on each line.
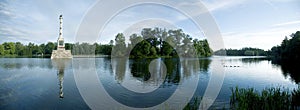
(40,83)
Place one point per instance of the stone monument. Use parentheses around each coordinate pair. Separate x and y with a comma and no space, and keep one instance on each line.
(61,52)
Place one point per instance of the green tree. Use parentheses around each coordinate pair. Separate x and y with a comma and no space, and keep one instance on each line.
(9,48)
(167,46)
(68,46)
(19,49)
(98,48)
(36,50)
(42,48)
(120,45)
(289,50)
(29,49)
(134,39)
(249,53)
(141,49)
(1,49)
(49,47)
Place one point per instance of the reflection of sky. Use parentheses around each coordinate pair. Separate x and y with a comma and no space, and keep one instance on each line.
(259,75)
(36,86)
(255,23)
(31,86)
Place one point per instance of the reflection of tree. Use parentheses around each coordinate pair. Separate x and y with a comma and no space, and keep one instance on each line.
(119,66)
(190,66)
(140,68)
(173,70)
(253,60)
(204,64)
(187,67)
(19,63)
(290,69)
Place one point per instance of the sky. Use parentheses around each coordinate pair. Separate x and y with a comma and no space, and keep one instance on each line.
(242,23)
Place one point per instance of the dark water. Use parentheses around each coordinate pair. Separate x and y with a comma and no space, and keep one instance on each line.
(36,83)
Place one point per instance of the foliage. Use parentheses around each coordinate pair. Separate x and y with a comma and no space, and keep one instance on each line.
(120,45)
(45,50)
(268,99)
(289,49)
(247,51)
(1,50)
(287,55)
(161,42)
(49,47)
(9,48)
(151,43)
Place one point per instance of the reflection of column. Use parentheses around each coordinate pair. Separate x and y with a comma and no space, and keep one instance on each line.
(60,75)
(60,65)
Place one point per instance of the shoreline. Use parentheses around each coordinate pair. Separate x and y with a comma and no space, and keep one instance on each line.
(107,56)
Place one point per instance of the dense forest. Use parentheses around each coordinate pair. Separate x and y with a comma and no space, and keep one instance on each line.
(11,49)
(247,51)
(150,42)
(161,42)
(289,50)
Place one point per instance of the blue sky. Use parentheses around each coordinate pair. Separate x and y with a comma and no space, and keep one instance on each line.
(243,23)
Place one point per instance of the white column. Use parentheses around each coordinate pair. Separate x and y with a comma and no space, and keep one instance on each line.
(60,27)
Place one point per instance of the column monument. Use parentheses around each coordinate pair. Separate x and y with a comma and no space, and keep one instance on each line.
(61,52)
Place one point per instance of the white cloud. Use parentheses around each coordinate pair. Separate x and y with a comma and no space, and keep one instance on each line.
(287,23)
(264,39)
(37,21)
(214,5)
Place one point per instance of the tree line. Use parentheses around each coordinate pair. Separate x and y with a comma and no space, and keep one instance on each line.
(289,50)
(154,42)
(151,42)
(31,49)
(17,49)
(157,42)
(247,51)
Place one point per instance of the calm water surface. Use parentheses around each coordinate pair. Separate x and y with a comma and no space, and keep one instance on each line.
(36,83)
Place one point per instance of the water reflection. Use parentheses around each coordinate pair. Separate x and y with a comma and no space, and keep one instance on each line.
(204,64)
(20,63)
(140,69)
(119,65)
(253,60)
(150,80)
(27,83)
(290,69)
(60,65)
(151,71)
(149,74)
(173,70)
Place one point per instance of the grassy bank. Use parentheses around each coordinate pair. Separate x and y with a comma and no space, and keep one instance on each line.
(274,98)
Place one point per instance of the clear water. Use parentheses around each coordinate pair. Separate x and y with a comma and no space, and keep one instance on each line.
(37,83)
